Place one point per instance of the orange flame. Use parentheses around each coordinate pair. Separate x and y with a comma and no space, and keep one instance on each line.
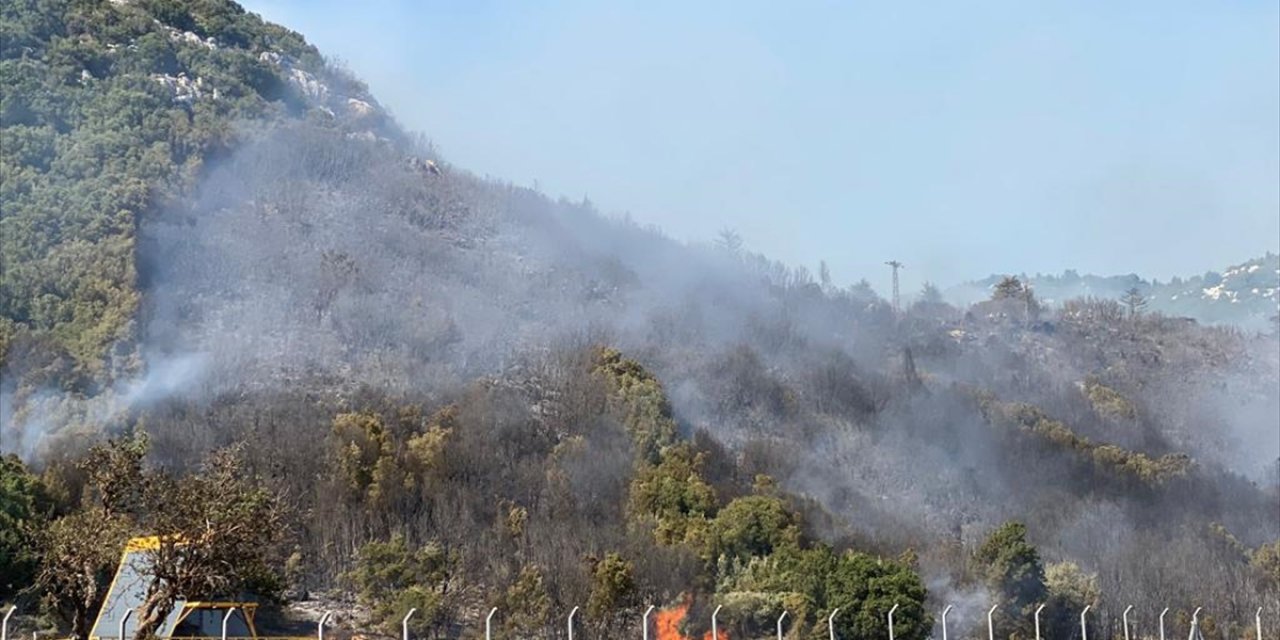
(669,620)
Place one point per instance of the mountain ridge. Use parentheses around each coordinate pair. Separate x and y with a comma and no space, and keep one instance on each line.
(1246,294)
(527,402)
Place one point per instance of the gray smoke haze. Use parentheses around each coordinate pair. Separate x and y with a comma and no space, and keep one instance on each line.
(965,140)
(971,604)
(314,259)
(48,413)
(311,254)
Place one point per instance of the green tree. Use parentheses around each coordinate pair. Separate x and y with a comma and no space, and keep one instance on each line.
(674,495)
(753,526)
(24,507)
(613,586)
(871,586)
(1013,570)
(811,582)
(391,577)
(1265,561)
(639,401)
(92,143)
(360,440)
(1010,288)
(525,606)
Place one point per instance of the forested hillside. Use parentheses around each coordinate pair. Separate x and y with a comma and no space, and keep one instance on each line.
(1246,295)
(235,290)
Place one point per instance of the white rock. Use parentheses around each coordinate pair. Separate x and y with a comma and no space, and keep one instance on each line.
(360,108)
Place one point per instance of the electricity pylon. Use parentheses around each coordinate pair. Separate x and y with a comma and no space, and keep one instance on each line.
(897,299)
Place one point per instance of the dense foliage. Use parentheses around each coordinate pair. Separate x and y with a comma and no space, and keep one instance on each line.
(23,506)
(110,112)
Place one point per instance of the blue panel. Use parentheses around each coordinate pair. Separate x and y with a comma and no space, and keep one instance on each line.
(127,591)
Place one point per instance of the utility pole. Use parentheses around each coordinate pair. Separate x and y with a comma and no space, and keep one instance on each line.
(897,300)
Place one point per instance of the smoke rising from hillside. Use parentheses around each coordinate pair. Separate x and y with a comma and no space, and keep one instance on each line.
(511,398)
(311,254)
(1017,141)
(312,260)
(48,413)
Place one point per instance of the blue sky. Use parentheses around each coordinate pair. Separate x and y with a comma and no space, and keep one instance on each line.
(961,138)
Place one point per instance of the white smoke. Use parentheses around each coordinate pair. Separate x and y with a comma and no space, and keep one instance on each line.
(969,606)
(33,424)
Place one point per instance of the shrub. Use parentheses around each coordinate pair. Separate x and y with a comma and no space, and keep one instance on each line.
(391,577)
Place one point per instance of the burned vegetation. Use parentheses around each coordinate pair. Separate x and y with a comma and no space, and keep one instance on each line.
(248,319)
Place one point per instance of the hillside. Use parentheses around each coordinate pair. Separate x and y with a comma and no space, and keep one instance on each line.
(1246,294)
(228,272)
(111,113)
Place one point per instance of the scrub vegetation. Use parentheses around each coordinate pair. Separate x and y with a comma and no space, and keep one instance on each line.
(241,310)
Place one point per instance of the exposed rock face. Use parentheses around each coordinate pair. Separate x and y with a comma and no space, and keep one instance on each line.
(310,86)
(189,37)
(425,167)
(359,108)
(184,89)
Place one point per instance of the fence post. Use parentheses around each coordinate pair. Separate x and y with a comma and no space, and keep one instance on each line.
(226,617)
(324,619)
(4,627)
(404,624)
(123,620)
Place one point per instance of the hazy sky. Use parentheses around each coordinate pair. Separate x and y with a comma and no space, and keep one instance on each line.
(962,138)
